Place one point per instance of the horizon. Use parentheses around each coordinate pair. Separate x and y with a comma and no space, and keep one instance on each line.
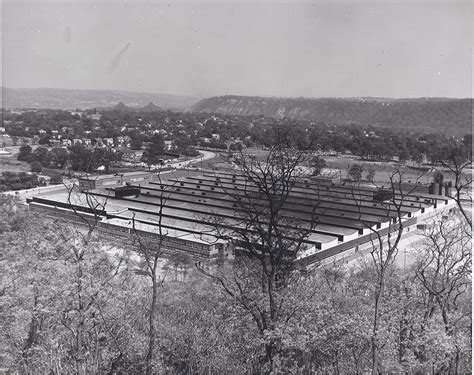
(238,95)
(209,48)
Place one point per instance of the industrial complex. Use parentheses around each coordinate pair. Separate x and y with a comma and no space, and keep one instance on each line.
(344,217)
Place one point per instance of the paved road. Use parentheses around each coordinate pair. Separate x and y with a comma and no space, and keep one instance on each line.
(29,193)
(40,190)
(205,155)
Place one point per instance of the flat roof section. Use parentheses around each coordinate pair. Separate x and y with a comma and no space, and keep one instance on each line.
(197,206)
(340,218)
(339,209)
(327,193)
(411,191)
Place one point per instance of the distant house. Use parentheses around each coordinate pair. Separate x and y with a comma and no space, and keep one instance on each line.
(108,141)
(216,136)
(5,140)
(123,140)
(131,156)
(168,145)
(87,141)
(76,141)
(66,142)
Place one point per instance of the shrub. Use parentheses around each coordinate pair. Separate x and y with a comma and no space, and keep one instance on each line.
(36,167)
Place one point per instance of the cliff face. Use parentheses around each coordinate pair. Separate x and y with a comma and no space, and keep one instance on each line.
(430,114)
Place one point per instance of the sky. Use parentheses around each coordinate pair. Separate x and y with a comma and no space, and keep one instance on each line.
(299,48)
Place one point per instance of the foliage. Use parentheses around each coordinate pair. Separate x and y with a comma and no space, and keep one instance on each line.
(36,167)
(355,172)
(154,151)
(25,153)
(41,155)
(317,164)
(452,115)
(18,181)
(136,142)
(59,157)
(192,130)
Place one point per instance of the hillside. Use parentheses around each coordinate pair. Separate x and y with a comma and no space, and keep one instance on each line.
(84,99)
(122,107)
(452,116)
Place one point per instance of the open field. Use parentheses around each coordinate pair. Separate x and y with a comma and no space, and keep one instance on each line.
(383,170)
(9,163)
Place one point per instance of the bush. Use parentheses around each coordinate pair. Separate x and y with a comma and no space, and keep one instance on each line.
(17,181)
(25,153)
(56,178)
(36,167)
(190,152)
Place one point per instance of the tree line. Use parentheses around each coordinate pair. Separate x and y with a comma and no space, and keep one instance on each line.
(78,157)
(191,130)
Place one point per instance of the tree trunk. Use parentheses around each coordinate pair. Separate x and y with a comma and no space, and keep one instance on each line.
(152,328)
(375,329)
(33,329)
(80,326)
(79,344)
(270,353)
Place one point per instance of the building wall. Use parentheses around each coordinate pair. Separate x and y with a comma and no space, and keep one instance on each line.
(112,180)
(124,236)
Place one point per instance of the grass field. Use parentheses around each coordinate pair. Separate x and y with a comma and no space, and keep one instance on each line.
(9,163)
(383,170)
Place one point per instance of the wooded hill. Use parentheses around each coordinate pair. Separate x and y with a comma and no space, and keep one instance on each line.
(450,116)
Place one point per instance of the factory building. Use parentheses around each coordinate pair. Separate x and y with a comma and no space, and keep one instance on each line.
(342,217)
(94,182)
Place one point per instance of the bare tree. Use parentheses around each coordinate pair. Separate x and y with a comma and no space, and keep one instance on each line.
(79,247)
(151,250)
(268,238)
(88,209)
(458,162)
(443,268)
(383,251)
